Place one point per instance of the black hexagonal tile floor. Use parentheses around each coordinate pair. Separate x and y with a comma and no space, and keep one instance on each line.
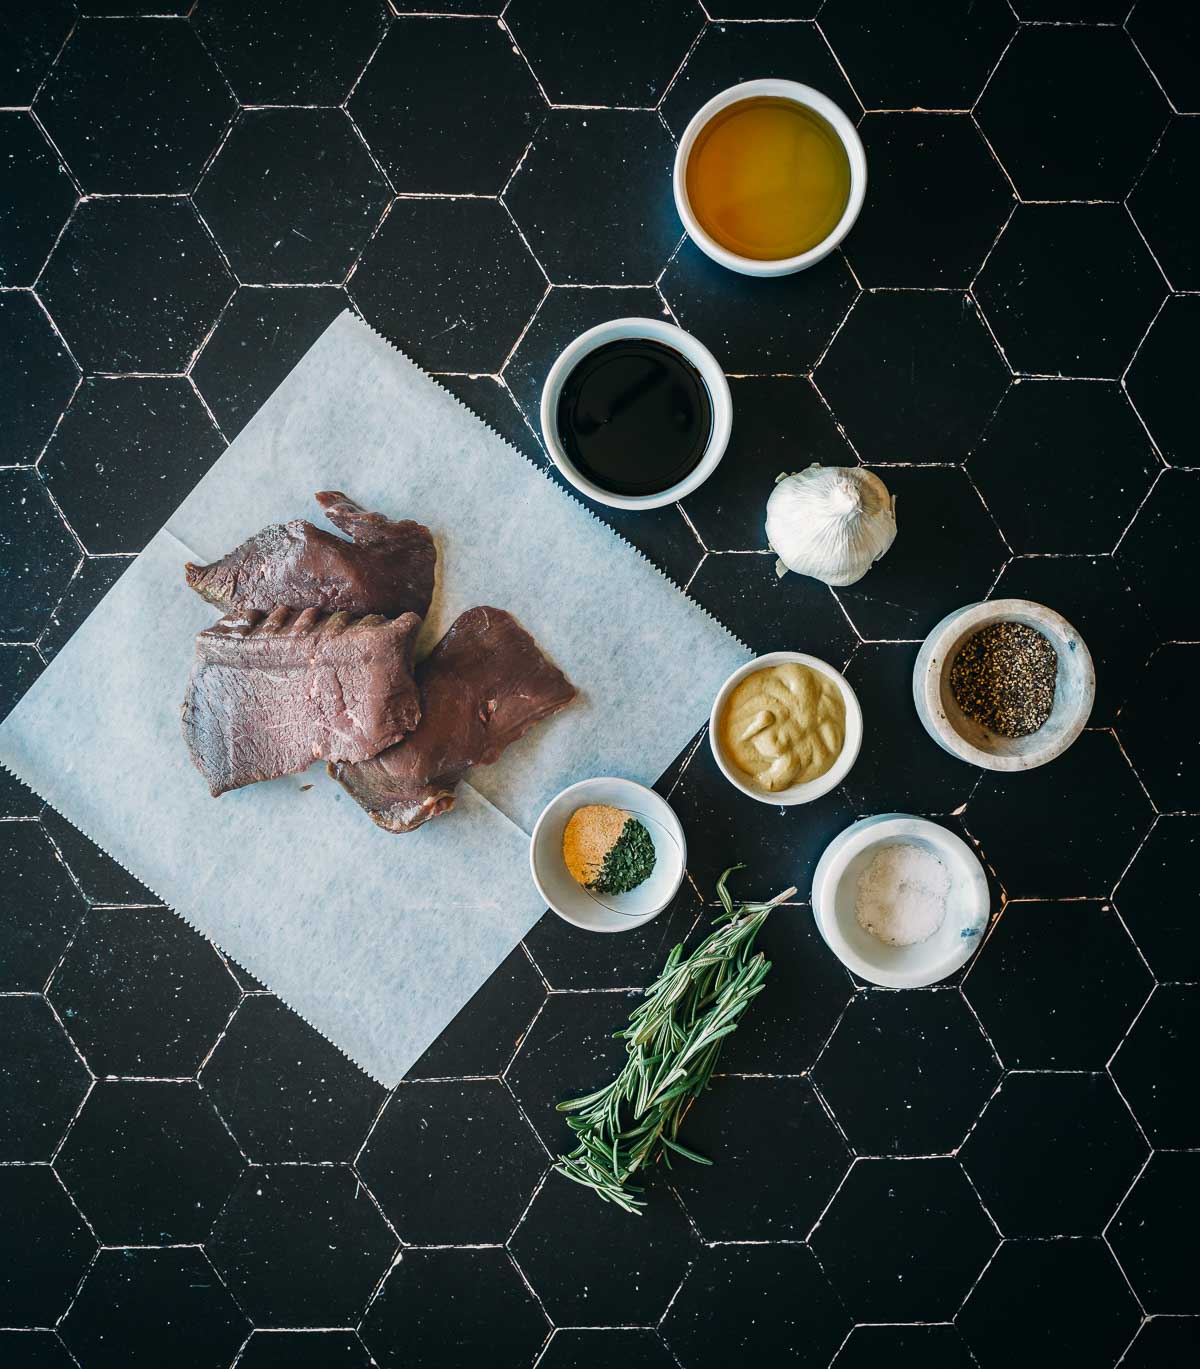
(125,455)
(937,201)
(1155,203)
(29,42)
(99,877)
(1038,115)
(1157,380)
(135,284)
(756,326)
(44,1246)
(447,105)
(37,376)
(304,1350)
(173,106)
(450,281)
(37,883)
(1044,1301)
(133,1302)
(946,554)
(936,1347)
(593,197)
(1041,1016)
(904,1238)
(292,196)
(39,555)
(1042,842)
(301,1245)
(142,994)
(776,1160)
(452,1163)
(569,1237)
(284,1090)
(787,1312)
(490,399)
(42,1079)
(38,199)
(1164,1343)
(92,580)
(600,1349)
(149,1163)
(1156,554)
(1153,1070)
(1069,289)
(279,52)
(1168,37)
(458,1306)
(34,1350)
(1063,435)
(19,668)
(1152,1233)
(1156,893)
(1169,764)
(1053,1154)
(906,1073)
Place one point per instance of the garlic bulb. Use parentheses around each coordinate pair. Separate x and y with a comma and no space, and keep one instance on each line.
(830,522)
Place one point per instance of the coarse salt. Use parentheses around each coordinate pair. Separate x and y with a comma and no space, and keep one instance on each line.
(901,895)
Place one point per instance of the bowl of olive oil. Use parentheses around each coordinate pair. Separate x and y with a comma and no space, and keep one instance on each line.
(769,177)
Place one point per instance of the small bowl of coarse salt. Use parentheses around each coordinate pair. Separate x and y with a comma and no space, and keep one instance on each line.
(901,901)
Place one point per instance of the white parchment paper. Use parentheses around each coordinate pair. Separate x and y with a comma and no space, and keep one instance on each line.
(375,939)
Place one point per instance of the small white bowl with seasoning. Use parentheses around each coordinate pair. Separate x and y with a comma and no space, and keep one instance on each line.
(785,728)
(599,836)
(901,901)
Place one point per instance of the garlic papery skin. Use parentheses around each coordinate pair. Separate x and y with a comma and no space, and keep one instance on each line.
(830,522)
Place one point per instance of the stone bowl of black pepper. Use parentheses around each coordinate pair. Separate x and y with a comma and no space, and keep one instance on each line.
(1004,685)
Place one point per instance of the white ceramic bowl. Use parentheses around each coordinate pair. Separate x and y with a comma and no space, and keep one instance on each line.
(608,912)
(834,892)
(800,94)
(948,725)
(798,793)
(670,336)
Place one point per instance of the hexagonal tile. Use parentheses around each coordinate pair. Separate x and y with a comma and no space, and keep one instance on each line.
(34,1350)
(787,1312)
(1055,142)
(1069,289)
(93,578)
(1153,1070)
(467,1304)
(600,1349)
(42,1079)
(450,281)
(304,1350)
(135,284)
(593,197)
(31,40)
(1053,1154)
(142,994)
(569,1238)
(40,196)
(149,1163)
(173,106)
(1073,1304)
(906,1073)
(776,1160)
(44,1246)
(1156,554)
(1157,380)
(1151,1233)
(125,455)
(1080,436)
(937,201)
(1168,38)
(755,325)
(1168,763)
(133,1302)
(447,105)
(39,555)
(904,1238)
(1042,841)
(937,1347)
(1156,893)
(1037,1016)
(292,196)
(490,399)
(37,883)
(19,668)
(946,554)
(276,53)
(1171,1342)
(99,877)
(37,376)
(301,1245)
(1155,203)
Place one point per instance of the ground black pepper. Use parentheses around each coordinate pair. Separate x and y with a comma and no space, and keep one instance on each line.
(1003,677)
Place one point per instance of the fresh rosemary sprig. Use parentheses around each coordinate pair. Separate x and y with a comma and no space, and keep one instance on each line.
(674,1038)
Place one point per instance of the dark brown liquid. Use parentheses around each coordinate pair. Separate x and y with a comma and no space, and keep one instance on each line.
(634,416)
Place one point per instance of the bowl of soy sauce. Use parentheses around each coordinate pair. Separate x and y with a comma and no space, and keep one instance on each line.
(636,413)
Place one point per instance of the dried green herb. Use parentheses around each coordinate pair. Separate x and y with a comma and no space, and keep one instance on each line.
(629,862)
(674,1039)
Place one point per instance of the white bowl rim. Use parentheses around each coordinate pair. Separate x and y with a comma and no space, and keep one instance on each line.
(688,346)
(837,772)
(877,830)
(799,93)
(668,819)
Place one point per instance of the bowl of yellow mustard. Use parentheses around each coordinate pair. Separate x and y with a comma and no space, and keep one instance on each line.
(785,728)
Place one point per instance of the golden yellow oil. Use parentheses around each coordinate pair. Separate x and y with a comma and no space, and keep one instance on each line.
(768,178)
